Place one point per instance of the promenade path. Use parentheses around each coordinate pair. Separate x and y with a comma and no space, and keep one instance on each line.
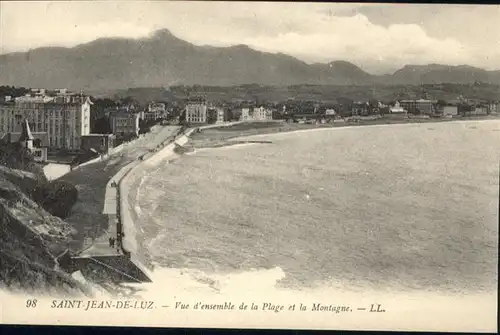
(95,216)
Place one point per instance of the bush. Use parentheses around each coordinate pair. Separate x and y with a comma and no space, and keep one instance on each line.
(15,156)
(83,157)
(57,197)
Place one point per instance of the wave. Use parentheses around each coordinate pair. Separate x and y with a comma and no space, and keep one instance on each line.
(268,284)
(262,286)
(138,194)
(330,306)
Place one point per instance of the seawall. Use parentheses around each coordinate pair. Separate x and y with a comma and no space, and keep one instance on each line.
(119,209)
(100,249)
(129,241)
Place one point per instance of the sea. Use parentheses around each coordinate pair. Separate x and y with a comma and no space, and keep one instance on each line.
(384,227)
(407,209)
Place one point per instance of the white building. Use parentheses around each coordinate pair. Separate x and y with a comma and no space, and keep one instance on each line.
(397,109)
(260,113)
(449,110)
(124,123)
(494,107)
(480,110)
(196,111)
(64,118)
(246,114)
(256,114)
(220,114)
(421,106)
(330,111)
(155,111)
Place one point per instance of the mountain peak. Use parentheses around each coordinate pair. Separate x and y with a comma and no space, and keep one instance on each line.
(162,58)
(343,65)
(240,47)
(162,33)
(341,62)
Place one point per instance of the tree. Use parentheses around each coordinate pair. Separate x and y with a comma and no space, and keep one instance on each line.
(13,91)
(464,109)
(441,103)
(15,156)
(57,197)
(101,126)
(103,103)
(346,103)
(129,101)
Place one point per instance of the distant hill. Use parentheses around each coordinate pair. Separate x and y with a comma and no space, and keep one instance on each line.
(437,73)
(163,59)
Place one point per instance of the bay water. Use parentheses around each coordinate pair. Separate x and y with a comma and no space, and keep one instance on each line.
(399,207)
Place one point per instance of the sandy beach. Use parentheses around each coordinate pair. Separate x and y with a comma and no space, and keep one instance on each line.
(238,133)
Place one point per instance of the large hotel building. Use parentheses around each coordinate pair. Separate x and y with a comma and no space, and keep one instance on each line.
(196,110)
(63,116)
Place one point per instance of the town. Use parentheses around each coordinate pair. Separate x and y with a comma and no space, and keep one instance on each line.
(71,125)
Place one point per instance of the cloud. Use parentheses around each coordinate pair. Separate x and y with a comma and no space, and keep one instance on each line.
(372,36)
(320,37)
(31,25)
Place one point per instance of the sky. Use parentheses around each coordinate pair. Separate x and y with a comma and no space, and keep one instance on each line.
(379,38)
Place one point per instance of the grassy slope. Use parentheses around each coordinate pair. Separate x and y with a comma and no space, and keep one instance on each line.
(30,239)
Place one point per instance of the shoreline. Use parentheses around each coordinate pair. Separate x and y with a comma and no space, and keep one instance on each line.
(209,137)
(127,214)
(88,214)
(219,137)
(216,136)
(229,136)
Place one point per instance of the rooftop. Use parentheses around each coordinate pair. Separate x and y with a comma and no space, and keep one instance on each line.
(123,114)
(98,135)
(26,132)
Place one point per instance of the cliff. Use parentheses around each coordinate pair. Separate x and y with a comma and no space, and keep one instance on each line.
(30,240)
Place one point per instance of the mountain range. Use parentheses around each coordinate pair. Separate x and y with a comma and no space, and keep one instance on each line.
(163,59)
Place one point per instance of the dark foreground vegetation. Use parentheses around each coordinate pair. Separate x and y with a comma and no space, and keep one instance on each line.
(32,232)
(55,197)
